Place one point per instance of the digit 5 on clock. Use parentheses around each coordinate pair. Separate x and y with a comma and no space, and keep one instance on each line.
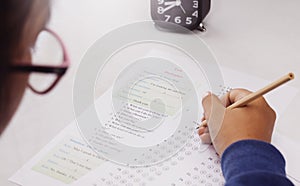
(186,13)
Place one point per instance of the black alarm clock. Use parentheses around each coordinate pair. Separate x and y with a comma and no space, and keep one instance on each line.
(186,13)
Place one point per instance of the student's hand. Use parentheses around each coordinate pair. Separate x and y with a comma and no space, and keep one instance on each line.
(225,127)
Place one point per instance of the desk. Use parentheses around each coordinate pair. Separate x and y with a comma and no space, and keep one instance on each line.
(259,37)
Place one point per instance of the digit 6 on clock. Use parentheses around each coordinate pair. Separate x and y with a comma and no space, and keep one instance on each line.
(177,19)
(187,13)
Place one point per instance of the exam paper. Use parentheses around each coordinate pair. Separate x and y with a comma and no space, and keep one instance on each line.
(68,160)
(65,159)
(193,165)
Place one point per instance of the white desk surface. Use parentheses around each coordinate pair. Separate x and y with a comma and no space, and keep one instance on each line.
(260,37)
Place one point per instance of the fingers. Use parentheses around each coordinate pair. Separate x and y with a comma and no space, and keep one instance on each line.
(233,96)
(203,118)
(205,138)
(203,130)
(214,110)
(210,102)
(204,135)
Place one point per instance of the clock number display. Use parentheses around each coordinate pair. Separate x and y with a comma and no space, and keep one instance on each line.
(181,12)
(177,19)
(195,13)
(160,10)
(168,17)
(189,20)
(160,2)
(195,4)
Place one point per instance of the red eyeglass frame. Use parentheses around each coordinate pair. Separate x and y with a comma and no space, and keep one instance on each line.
(47,69)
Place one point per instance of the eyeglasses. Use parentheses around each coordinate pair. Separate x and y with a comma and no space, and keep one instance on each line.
(50,62)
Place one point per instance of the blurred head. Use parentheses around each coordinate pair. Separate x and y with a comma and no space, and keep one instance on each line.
(22,21)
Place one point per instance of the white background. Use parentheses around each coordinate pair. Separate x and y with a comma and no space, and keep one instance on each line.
(260,37)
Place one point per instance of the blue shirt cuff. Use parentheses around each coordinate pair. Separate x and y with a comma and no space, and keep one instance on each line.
(250,156)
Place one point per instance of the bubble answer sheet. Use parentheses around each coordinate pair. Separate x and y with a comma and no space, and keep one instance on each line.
(68,160)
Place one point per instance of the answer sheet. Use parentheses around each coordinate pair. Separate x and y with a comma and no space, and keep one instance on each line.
(68,160)
(195,164)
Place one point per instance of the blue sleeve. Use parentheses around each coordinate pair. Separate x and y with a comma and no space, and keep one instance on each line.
(252,162)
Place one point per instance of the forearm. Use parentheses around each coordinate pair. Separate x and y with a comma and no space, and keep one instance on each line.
(251,162)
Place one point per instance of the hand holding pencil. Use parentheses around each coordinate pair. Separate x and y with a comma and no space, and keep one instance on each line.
(238,115)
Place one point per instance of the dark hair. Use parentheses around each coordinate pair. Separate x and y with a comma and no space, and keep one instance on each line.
(14,15)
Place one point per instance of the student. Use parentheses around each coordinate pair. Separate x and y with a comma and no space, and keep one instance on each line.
(244,135)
